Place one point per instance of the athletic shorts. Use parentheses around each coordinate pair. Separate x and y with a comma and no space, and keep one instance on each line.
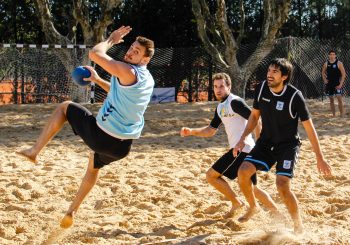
(264,156)
(228,165)
(330,90)
(106,148)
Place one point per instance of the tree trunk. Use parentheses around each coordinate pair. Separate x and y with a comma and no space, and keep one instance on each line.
(92,34)
(219,42)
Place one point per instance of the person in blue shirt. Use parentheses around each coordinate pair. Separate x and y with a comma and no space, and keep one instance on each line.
(120,119)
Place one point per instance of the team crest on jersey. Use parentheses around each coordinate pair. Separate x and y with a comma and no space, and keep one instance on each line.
(222,112)
(334,66)
(287,164)
(279,105)
(225,112)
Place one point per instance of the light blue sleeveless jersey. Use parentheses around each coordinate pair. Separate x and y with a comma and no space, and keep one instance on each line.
(121,114)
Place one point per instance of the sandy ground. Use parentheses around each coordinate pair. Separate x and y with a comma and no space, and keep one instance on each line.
(158,194)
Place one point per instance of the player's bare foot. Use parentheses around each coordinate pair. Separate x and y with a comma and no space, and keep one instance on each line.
(250,212)
(233,210)
(67,221)
(298,227)
(277,216)
(27,153)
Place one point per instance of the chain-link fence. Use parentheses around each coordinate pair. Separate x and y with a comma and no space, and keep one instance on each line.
(41,75)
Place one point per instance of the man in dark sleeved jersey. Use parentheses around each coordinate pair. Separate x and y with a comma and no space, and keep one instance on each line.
(233,113)
(280,107)
(333,75)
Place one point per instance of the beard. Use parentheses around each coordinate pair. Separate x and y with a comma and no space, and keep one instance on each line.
(273,84)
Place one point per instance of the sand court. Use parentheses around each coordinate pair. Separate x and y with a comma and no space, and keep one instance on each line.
(158,194)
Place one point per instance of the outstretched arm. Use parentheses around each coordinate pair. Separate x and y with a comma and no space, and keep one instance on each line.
(322,166)
(98,54)
(201,132)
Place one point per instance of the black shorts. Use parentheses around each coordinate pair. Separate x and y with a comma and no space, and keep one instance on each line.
(228,165)
(330,89)
(107,148)
(265,155)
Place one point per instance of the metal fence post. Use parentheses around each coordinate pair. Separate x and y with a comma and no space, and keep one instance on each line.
(210,85)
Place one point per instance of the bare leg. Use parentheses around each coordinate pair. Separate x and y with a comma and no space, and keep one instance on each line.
(331,101)
(245,173)
(288,197)
(341,105)
(86,185)
(214,178)
(52,127)
(265,199)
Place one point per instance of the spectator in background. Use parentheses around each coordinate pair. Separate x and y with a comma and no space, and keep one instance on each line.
(333,75)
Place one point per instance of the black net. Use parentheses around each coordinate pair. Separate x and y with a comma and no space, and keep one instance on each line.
(38,75)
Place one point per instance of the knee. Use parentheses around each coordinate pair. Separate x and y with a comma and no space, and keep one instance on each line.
(282,184)
(210,176)
(63,106)
(246,170)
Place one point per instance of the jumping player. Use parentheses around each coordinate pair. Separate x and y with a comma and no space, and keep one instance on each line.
(120,119)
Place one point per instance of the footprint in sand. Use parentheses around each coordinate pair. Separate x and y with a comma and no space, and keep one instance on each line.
(315,212)
(337,200)
(211,209)
(18,194)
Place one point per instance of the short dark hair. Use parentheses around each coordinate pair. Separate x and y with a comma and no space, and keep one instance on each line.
(285,67)
(332,51)
(222,75)
(148,44)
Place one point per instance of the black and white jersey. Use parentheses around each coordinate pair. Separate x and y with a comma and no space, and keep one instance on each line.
(233,112)
(280,113)
(333,73)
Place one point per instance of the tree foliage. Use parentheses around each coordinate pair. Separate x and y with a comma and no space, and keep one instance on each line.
(170,23)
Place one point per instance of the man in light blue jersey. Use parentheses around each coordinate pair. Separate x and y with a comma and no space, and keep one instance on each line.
(120,119)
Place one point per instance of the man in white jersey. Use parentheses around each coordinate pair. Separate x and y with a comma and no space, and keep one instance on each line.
(233,113)
(120,119)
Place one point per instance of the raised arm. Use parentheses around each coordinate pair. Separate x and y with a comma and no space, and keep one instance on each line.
(322,166)
(98,54)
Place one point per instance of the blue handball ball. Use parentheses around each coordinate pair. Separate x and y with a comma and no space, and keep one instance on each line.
(79,73)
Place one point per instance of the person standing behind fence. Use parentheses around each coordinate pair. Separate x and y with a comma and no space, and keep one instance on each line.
(233,113)
(120,119)
(333,75)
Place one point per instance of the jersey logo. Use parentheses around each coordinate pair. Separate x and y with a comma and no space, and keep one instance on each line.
(222,112)
(287,164)
(265,99)
(279,105)
(226,113)
(109,110)
(334,66)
